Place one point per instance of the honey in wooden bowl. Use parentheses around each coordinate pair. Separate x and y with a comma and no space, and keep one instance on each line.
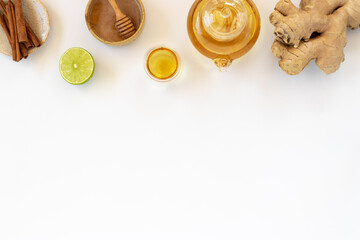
(100,19)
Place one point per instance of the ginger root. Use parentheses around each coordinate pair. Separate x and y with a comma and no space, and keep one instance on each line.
(316,30)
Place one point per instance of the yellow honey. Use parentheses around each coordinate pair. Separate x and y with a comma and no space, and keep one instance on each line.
(162,64)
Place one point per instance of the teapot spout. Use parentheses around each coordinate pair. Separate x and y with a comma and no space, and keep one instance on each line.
(222,63)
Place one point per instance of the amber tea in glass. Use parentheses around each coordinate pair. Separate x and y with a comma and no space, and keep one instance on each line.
(223,30)
(162,64)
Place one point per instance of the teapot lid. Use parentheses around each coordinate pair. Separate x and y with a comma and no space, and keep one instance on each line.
(224,20)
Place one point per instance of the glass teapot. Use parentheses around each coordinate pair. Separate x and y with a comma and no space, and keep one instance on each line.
(223,30)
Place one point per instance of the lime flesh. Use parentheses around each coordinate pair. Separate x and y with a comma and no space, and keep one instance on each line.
(76,66)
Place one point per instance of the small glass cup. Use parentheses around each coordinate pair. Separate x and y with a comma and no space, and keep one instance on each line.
(162,64)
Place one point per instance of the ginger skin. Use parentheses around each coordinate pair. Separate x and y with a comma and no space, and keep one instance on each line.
(295,42)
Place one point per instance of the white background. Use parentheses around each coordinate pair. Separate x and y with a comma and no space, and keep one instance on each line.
(250,154)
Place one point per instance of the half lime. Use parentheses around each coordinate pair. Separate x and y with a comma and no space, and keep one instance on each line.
(77,66)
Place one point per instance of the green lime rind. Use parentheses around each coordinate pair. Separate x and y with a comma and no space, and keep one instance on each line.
(77,66)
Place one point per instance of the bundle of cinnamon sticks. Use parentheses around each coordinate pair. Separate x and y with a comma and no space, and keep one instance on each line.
(19,33)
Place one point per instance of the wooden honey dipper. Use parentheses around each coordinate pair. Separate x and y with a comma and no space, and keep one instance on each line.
(123,23)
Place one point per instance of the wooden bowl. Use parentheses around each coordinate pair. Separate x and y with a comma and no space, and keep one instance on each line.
(100,19)
(37,16)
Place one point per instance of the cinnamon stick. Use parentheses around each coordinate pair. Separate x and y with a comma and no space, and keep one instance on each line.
(32,36)
(20,22)
(28,44)
(3,10)
(11,30)
(2,7)
(23,50)
(10,12)
(17,43)
(5,27)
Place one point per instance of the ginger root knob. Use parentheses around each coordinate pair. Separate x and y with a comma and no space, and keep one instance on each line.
(316,30)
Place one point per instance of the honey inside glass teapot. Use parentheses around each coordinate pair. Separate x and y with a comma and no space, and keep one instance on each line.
(223,30)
